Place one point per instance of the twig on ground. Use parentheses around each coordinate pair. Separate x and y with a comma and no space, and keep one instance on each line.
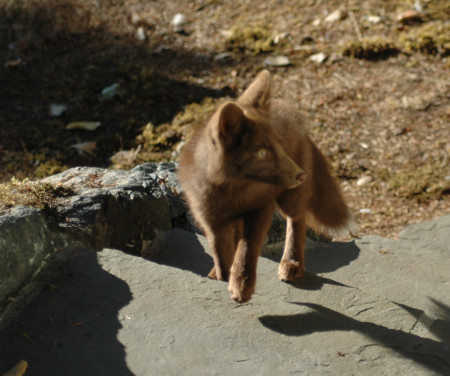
(355,25)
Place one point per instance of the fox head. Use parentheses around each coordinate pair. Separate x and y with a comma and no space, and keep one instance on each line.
(244,145)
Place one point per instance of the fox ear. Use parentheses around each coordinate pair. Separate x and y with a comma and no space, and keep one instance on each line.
(258,92)
(230,123)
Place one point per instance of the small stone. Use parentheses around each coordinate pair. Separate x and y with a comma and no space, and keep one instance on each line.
(373,19)
(222,56)
(277,61)
(111,91)
(409,16)
(417,102)
(363,180)
(317,22)
(318,58)
(178,21)
(226,33)
(334,16)
(365,211)
(140,33)
(84,125)
(14,63)
(57,110)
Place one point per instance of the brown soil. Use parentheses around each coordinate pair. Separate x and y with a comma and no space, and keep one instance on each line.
(378,105)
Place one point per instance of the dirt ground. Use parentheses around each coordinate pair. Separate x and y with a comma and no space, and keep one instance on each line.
(377,98)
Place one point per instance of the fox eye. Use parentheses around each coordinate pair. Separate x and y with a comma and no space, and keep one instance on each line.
(261,153)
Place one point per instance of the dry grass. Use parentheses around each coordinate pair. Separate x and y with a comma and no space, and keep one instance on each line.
(30,193)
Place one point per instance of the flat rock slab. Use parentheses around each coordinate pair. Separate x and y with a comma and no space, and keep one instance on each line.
(371,307)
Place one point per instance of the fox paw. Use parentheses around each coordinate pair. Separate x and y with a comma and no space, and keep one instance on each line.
(289,271)
(241,289)
(212,274)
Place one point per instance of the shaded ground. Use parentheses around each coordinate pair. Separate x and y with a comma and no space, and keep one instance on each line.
(382,120)
(113,313)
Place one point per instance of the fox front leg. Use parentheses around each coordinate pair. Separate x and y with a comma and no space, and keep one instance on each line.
(250,240)
(292,265)
(222,245)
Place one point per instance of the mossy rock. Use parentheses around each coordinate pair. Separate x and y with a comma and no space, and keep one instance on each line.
(437,9)
(158,142)
(48,167)
(431,38)
(30,193)
(373,48)
(423,183)
(250,38)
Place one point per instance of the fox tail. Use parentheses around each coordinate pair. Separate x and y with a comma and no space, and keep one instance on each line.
(327,211)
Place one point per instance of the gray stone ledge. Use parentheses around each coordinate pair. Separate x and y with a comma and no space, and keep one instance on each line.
(110,208)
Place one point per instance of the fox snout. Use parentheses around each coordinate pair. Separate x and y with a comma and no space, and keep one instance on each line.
(293,178)
(291,175)
(301,176)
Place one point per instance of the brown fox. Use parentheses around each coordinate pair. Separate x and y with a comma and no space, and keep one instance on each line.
(254,156)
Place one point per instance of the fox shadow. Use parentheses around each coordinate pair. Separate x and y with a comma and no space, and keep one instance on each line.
(183,249)
(71,328)
(430,353)
(320,257)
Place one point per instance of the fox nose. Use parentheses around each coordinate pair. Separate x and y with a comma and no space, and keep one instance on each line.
(301,177)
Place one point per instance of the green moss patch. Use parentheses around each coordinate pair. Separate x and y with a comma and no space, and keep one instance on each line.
(423,183)
(158,142)
(30,193)
(255,39)
(437,9)
(370,48)
(431,38)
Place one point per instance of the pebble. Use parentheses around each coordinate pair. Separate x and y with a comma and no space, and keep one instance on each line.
(277,61)
(365,211)
(84,125)
(14,63)
(373,19)
(178,21)
(111,91)
(140,33)
(318,58)
(363,180)
(334,16)
(222,56)
(409,17)
(417,102)
(57,110)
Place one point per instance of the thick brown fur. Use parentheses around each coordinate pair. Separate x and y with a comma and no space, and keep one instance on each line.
(252,157)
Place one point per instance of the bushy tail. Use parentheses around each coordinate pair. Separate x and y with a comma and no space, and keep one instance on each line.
(327,211)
